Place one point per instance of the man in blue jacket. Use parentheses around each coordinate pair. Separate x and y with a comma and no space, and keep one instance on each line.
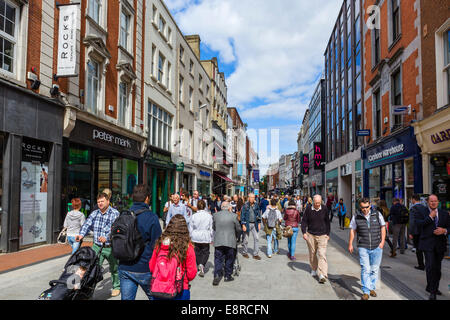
(251,222)
(137,273)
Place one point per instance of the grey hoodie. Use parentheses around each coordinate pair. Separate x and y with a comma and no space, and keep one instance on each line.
(74,221)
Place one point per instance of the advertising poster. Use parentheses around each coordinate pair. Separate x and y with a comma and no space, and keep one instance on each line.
(33,203)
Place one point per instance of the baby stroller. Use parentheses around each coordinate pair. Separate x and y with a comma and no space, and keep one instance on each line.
(81,274)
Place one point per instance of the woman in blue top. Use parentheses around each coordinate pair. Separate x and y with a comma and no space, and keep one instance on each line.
(342,211)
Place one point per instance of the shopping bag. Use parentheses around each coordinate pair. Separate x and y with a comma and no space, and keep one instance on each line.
(346,222)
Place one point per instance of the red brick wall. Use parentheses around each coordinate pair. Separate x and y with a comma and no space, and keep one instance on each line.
(433,15)
(410,72)
(34,37)
(112,41)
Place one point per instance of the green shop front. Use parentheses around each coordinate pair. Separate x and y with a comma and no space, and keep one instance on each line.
(160,177)
(94,159)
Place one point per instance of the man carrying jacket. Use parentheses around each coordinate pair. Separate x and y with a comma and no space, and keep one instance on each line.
(137,273)
(369,226)
(251,222)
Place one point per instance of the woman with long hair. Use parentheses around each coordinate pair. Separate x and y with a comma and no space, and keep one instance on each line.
(176,242)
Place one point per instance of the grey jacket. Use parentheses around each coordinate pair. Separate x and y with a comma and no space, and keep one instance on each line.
(226,227)
(73,222)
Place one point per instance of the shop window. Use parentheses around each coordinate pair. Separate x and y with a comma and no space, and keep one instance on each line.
(387,175)
(409,178)
(79,177)
(440,178)
(398,180)
(374,183)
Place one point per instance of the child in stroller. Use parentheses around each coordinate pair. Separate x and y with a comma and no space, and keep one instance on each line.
(81,274)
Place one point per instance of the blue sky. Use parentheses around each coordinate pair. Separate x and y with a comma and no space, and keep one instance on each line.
(270,51)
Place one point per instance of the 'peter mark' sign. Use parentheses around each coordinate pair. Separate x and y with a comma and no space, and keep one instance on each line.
(67,41)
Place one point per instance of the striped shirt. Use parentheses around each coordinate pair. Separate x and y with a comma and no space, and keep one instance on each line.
(101,225)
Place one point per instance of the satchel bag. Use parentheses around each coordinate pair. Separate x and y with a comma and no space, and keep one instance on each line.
(62,237)
(288,232)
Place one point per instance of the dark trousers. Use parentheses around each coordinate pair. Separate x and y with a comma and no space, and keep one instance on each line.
(201,253)
(342,221)
(433,261)
(330,211)
(419,253)
(221,255)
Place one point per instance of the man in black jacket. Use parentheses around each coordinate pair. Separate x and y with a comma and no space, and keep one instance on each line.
(416,210)
(399,225)
(434,226)
(316,232)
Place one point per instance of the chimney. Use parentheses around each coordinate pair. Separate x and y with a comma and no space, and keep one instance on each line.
(194,43)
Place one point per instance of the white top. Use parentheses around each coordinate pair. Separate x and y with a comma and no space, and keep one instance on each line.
(201,227)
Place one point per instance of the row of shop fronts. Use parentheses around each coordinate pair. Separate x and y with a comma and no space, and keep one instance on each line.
(415,159)
(52,153)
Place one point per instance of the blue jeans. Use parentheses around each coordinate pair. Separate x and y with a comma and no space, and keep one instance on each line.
(370,261)
(74,244)
(269,242)
(292,241)
(129,282)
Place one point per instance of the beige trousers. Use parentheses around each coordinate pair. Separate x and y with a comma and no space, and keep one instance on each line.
(317,246)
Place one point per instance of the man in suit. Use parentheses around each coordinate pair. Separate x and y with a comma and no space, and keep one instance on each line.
(434,226)
(226,227)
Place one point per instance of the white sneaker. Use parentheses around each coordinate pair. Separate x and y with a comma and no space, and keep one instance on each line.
(313,273)
(322,279)
(201,271)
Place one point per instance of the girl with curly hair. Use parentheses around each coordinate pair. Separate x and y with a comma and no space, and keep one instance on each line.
(176,242)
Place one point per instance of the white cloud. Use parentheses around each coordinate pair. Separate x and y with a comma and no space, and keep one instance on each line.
(275,44)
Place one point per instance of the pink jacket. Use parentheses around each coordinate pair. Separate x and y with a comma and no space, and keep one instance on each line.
(191,264)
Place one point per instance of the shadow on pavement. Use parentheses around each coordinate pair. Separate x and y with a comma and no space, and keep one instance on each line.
(344,286)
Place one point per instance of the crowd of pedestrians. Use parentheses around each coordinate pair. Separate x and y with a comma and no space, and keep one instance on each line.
(192,225)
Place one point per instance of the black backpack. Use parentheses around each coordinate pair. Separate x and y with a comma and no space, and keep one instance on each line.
(404,215)
(127,243)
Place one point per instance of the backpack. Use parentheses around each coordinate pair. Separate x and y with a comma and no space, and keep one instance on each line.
(127,243)
(167,279)
(404,215)
(272,218)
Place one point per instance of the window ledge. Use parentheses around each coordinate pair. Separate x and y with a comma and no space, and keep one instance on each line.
(394,42)
(162,85)
(126,52)
(96,25)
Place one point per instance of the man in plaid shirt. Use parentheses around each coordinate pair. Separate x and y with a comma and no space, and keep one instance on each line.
(100,221)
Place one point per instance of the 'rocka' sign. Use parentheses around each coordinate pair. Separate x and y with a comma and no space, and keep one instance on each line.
(107,137)
(392,151)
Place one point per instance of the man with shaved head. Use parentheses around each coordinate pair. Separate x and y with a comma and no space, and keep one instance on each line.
(434,227)
(316,232)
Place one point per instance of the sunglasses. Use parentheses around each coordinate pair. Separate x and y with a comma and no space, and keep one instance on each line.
(365,207)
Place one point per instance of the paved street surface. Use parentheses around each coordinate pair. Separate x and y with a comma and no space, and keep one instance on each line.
(275,278)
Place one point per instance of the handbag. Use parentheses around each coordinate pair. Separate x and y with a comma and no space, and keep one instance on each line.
(347,222)
(62,237)
(288,232)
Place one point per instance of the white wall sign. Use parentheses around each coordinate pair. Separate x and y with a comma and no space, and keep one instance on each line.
(67,41)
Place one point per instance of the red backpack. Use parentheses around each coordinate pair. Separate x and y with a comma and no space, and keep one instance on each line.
(167,279)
